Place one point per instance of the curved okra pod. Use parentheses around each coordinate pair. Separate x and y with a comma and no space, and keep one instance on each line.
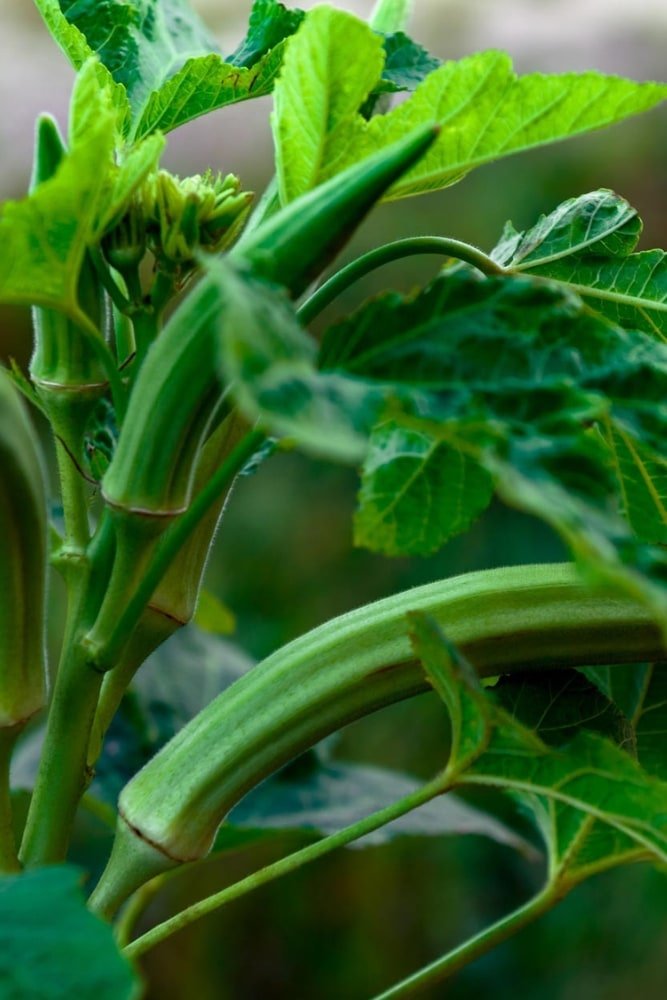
(517,618)
(23,560)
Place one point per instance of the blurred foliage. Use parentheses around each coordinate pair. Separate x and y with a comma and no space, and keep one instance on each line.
(284,562)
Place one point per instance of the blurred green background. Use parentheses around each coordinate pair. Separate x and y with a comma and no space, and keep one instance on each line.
(284,560)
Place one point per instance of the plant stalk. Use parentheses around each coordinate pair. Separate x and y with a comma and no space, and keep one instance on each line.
(63,771)
(435,973)
(285,866)
(414,246)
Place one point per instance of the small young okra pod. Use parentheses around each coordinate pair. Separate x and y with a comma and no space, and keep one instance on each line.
(173,402)
(23,562)
(296,244)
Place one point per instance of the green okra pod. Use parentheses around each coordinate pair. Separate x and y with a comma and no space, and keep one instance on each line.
(296,244)
(517,618)
(23,560)
(175,402)
(171,407)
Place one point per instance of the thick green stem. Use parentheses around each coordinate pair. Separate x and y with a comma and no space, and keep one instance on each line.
(74,493)
(9,862)
(146,324)
(62,776)
(63,772)
(285,866)
(485,941)
(441,246)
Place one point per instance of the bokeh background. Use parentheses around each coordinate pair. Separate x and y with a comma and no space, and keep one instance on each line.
(284,560)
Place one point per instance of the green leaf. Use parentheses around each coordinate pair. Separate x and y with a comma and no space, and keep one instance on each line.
(599,223)
(142,44)
(594,804)
(326,795)
(631,291)
(270,24)
(269,362)
(587,244)
(204,84)
(514,373)
(641,693)
(406,64)
(487,112)
(330,68)
(45,236)
(163,58)
(52,947)
(557,706)
(417,492)
(642,481)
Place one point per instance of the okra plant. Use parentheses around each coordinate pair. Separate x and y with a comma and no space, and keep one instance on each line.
(174,352)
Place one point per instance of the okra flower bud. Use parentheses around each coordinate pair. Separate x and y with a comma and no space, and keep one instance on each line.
(192,214)
(22,563)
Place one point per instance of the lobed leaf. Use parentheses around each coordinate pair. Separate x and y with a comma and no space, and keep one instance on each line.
(406,64)
(271,22)
(514,373)
(642,479)
(599,223)
(166,65)
(45,236)
(204,84)
(485,112)
(587,243)
(594,804)
(558,706)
